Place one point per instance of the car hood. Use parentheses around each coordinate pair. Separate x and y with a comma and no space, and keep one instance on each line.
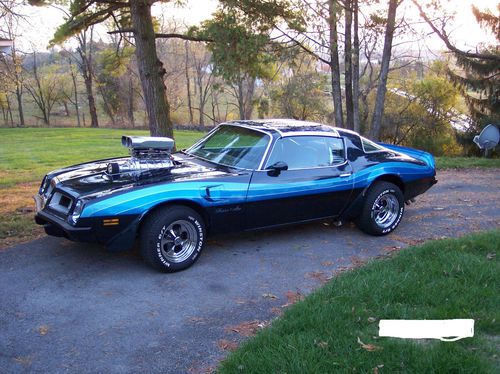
(91,180)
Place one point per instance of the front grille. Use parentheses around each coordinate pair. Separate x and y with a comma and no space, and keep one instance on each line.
(60,203)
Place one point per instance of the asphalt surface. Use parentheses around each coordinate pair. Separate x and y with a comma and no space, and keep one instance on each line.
(69,307)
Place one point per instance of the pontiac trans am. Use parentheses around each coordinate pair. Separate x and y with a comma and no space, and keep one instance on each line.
(243,175)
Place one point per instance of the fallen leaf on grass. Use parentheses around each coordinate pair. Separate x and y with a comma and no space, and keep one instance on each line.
(292,298)
(320,343)
(277,311)
(491,256)
(43,330)
(368,347)
(372,319)
(248,328)
(318,276)
(357,261)
(227,345)
(375,369)
(392,248)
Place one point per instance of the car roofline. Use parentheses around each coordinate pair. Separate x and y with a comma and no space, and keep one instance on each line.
(330,134)
(287,127)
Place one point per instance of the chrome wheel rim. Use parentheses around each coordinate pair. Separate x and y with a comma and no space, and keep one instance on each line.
(179,241)
(385,210)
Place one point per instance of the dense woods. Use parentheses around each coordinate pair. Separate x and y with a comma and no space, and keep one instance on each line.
(343,62)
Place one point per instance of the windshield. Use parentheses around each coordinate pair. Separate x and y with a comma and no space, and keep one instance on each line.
(233,146)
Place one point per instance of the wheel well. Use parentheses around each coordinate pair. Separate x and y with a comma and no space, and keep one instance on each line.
(187,203)
(391,178)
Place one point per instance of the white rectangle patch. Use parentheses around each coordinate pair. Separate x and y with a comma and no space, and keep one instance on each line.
(447,330)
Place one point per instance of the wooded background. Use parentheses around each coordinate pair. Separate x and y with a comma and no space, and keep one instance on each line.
(357,64)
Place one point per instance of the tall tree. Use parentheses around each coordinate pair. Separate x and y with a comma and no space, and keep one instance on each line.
(355,67)
(85,64)
(74,98)
(188,81)
(348,64)
(45,88)
(378,110)
(241,48)
(333,11)
(133,17)
(13,61)
(478,73)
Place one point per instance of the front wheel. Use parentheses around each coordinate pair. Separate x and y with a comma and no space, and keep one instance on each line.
(382,210)
(172,238)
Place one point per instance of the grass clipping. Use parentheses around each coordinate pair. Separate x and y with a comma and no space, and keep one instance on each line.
(336,329)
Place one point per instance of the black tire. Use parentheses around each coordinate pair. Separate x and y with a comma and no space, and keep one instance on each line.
(172,238)
(382,210)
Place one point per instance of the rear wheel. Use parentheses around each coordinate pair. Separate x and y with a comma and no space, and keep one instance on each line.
(382,210)
(172,238)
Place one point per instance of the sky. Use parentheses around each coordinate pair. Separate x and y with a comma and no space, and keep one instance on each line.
(465,32)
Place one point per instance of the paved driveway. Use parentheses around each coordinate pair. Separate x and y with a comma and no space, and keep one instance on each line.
(68,307)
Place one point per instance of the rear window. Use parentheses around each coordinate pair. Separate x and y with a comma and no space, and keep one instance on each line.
(369,146)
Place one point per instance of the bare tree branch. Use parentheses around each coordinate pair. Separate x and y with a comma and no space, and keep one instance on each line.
(444,37)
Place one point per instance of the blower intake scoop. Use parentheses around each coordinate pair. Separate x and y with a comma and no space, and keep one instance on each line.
(147,153)
(148,142)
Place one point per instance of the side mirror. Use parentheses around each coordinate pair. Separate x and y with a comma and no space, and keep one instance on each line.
(275,169)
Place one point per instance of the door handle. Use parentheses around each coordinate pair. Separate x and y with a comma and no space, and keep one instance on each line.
(345,175)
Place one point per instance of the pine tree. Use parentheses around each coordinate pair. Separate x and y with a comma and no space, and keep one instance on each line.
(479,78)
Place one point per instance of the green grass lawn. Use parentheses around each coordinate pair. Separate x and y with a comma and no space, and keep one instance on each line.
(453,278)
(26,155)
(466,162)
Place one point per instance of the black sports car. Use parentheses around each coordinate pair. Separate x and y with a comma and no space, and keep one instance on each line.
(243,175)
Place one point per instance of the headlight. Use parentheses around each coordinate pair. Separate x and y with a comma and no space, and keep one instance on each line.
(77,211)
(43,186)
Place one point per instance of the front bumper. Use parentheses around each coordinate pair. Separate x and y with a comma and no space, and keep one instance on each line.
(56,226)
(116,238)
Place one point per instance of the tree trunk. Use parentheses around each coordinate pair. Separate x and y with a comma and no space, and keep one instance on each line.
(90,97)
(130,102)
(66,109)
(241,100)
(203,92)
(107,107)
(5,117)
(75,92)
(9,111)
(355,68)
(188,84)
(151,70)
(19,96)
(334,64)
(378,111)
(40,98)
(19,84)
(249,98)
(201,105)
(87,73)
(348,65)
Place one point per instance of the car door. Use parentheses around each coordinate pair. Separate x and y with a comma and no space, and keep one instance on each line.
(317,184)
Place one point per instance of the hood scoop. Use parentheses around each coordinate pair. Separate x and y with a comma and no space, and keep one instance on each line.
(147,154)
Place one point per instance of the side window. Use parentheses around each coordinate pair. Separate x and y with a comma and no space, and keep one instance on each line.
(301,152)
(370,146)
